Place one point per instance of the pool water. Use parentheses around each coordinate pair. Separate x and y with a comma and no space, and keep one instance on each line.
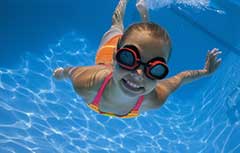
(39,114)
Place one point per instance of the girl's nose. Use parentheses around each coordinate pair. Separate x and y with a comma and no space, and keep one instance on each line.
(138,75)
(139,71)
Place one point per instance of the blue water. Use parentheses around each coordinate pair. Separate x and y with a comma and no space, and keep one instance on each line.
(41,115)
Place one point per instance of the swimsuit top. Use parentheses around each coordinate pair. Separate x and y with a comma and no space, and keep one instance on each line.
(134,112)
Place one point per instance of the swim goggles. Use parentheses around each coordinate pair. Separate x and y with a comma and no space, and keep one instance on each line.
(129,58)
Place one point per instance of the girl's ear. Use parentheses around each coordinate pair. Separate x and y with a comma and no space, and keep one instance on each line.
(114,54)
(118,43)
(117,47)
(114,57)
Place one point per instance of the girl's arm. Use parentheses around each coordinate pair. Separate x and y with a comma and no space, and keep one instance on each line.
(83,77)
(165,87)
(118,15)
(86,80)
(143,10)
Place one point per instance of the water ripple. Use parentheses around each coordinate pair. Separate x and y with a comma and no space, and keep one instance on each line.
(39,114)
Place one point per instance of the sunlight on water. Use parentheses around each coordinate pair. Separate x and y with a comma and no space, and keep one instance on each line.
(198,4)
(154,4)
(41,115)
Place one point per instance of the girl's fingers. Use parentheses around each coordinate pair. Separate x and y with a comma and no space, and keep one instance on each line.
(218,62)
(214,51)
(217,53)
(214,57)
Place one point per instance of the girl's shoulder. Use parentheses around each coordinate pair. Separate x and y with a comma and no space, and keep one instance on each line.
(88,82)
(151,101)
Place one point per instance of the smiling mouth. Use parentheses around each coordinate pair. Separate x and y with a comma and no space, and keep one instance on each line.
(132,86)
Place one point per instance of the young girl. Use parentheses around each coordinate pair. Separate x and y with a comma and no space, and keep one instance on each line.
(131,65)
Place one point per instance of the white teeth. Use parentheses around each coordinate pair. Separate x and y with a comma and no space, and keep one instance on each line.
(133,85)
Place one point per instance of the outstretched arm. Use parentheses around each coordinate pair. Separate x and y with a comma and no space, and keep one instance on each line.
(165,87)
(82,77)
(143,10)
(118,15)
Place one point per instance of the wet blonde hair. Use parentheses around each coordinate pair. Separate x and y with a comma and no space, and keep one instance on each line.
(154,30)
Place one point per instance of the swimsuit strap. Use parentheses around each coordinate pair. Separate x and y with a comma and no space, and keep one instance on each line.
(138,104)
(98,97)
(95,103)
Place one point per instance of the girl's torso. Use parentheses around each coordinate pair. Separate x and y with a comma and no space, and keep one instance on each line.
(106,104)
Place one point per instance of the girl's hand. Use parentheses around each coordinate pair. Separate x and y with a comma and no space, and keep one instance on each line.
(212,62)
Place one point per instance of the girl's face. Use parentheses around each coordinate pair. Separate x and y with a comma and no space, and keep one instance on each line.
(135,83)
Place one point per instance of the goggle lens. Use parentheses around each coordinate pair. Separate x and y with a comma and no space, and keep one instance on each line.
(158,71)
(126,58)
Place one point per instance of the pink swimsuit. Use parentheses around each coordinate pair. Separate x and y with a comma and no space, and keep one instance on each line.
(134,112)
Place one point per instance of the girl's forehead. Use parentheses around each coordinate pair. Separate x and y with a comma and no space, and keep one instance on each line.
(148,53)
